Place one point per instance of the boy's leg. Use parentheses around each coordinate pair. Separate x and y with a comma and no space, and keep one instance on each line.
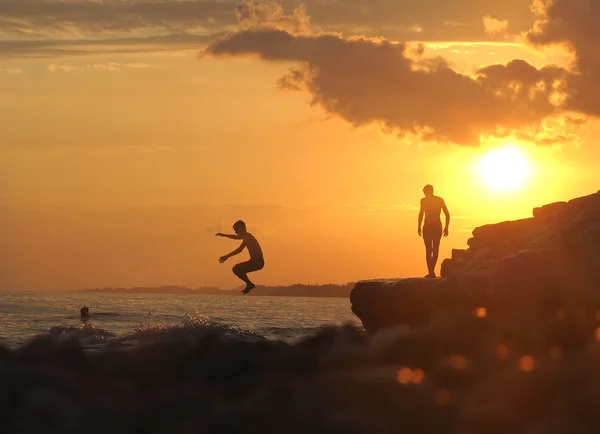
(242,269)
(428,251)
(436,250)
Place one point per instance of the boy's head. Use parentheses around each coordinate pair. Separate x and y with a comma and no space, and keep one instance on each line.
(428,190)
(239,227)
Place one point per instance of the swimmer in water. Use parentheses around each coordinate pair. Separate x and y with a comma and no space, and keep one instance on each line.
(84,312)
(256,262)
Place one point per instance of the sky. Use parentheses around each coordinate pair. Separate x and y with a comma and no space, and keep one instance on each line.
(133,131)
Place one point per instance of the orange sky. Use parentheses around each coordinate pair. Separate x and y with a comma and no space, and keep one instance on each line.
(122,150)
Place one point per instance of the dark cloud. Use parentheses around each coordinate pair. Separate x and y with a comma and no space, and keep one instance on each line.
(250,14)
(574,24)
(364,81)
(360,78)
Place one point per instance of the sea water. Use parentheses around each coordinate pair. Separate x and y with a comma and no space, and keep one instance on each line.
(119,319)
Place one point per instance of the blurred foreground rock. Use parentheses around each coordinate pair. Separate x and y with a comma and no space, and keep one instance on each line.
(474,374)
(534,266)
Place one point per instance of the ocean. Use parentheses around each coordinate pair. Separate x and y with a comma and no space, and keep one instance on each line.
(123,320)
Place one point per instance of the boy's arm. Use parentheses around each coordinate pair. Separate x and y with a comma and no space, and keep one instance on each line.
(235,252)
(233,237)
(421,213)
(447,214)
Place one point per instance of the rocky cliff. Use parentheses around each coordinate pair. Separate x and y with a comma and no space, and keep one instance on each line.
(544,265)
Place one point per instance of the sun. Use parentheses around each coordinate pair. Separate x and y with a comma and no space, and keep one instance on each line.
(504,169)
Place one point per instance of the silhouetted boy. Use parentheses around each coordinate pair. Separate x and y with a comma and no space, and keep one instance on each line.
(256,261)
(431,207)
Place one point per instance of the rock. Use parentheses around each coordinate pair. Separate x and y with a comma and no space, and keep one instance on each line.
(384,303)
(560,211)
(447,268)
(476,243)
(551,211)
(461,254)
(533,266)
(505,231)
(475,276)
(472,374)
(43,407)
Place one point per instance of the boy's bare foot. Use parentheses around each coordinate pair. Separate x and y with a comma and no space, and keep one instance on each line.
(249,288)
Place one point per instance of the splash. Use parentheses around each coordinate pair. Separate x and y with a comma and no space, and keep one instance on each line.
(192,327)
(86,334)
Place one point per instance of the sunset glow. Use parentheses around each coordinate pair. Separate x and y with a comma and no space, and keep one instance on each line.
(135,130)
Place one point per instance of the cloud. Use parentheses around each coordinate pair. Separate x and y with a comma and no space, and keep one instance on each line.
(141,65)
(366,80)
(54,28)
(494,26)
(270,14)
(53,67)
(375,80)
(110,67)
(52,48)
(574,25)
(79,18)
(362,78)
(456,20)
(11,71)
(50,28)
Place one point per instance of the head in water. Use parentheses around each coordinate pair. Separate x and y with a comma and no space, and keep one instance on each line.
(428,190)
(239,227)
(84,312)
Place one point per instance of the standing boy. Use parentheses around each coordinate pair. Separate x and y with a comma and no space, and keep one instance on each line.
(431,208)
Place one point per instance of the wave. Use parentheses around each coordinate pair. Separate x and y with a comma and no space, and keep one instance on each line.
(292,334)
(104,314)
(191,328)
(97,315)
(86,334)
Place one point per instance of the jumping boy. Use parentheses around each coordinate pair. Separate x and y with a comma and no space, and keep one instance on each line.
(256,262)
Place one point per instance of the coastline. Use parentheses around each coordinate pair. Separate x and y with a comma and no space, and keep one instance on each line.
(317,291)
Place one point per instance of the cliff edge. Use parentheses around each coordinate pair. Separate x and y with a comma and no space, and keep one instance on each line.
(544,265)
